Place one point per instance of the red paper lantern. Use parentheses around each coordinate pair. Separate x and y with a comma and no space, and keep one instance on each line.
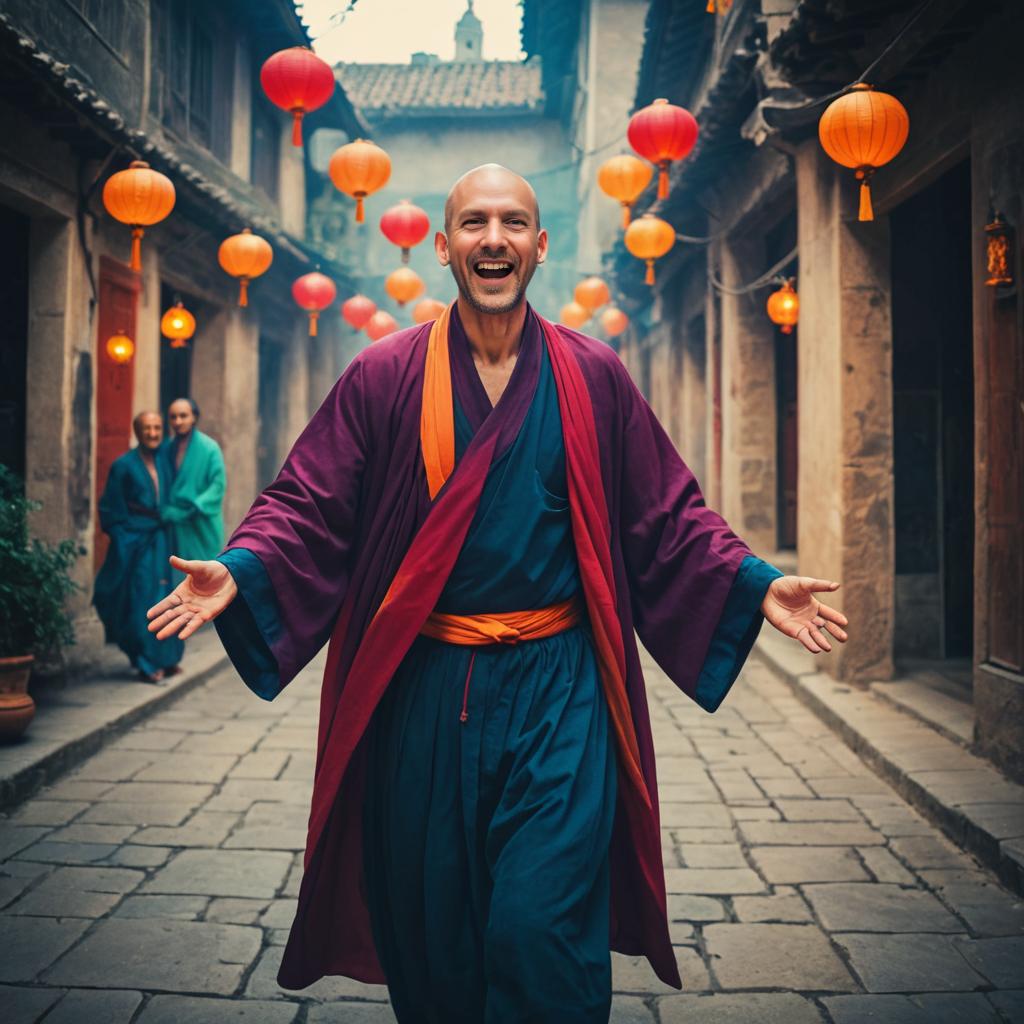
(574,315)
(314,292)
(298,81)
(380,325)
(178,324)
(405,225)
(426,310)
(120,348)
(784,307)
(662,133)
(592,293)
(358,310)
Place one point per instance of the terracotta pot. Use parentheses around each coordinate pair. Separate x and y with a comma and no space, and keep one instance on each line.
(16,706)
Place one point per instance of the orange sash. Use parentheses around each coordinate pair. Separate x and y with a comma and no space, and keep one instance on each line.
(505,628)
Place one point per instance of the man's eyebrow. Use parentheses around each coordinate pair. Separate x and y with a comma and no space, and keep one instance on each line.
(518,212)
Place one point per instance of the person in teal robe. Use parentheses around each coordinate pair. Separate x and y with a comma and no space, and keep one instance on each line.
(195,465)
(135,570)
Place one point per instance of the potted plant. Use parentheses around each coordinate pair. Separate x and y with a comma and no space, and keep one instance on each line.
(35,584)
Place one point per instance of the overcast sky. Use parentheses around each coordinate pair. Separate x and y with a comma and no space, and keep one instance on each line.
(389,31)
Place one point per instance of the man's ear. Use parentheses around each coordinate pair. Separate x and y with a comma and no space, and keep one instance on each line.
(441,248)
(542,246)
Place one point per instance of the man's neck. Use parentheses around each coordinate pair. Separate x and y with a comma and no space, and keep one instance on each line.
(146,453)
(494,337)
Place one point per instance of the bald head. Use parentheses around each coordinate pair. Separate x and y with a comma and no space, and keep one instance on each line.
(490,178)
(149,429)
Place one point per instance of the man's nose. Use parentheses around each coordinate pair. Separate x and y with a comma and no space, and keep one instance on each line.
(494,237)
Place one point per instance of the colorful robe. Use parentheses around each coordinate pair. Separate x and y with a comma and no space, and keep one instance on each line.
(135,574)
(193,505)
(349,544)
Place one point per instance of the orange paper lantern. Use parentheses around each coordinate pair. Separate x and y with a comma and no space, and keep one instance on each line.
(592,293)
(574,315)
(245,256)
(649,238)
(624,178)
(178,324)
(405,225)
(138,196)
(662,133)
(358,310)
(864,130)
(299,81)
(426,310)
(404,285)
(358,169)
(784,307)
(314,292)
(120,348)
(614,321)
(380,325)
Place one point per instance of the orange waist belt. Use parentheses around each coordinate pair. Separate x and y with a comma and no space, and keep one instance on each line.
(504,628)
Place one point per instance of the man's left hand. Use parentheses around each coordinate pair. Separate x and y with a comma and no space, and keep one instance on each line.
(791,607)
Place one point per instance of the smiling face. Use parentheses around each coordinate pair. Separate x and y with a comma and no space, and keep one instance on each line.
(492,240)
(181,417)
(149,429)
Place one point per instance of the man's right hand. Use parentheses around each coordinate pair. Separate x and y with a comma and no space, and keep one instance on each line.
(208,588)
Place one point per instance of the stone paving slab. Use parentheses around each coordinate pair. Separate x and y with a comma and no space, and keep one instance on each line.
(964,794)
(798,881)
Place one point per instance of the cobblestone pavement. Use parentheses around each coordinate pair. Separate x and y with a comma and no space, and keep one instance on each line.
(156,884)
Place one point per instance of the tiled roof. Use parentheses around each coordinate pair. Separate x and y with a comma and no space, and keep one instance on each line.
(417,90)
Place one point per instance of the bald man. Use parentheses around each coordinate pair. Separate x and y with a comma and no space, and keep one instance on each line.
(135,571)
(478,518)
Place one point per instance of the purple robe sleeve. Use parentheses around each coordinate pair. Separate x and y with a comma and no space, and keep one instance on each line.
(682,561)
(302,527)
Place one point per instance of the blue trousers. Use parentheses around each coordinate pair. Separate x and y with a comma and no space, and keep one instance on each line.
(487,839)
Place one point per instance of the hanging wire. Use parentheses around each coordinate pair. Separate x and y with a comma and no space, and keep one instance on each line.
(768,277)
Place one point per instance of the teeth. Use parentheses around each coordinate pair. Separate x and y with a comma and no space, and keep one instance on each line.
(494,266)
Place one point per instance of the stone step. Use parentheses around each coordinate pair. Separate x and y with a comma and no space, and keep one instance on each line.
(974,804)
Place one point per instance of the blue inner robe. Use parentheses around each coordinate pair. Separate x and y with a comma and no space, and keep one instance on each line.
(487,840)
(135,574)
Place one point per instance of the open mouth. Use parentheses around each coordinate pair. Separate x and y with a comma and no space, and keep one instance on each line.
(493,270)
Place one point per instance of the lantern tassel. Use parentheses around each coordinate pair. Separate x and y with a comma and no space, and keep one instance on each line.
(787,328)
(243,291)
(296,127)
(625,215)
(136,261)
(663,181)
(649,276)
(865,212)
(360,213)
(710,9)
(312,322)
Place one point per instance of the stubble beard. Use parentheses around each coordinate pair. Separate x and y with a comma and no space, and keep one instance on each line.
(462,281)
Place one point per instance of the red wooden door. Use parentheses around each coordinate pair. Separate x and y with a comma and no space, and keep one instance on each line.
(119,290)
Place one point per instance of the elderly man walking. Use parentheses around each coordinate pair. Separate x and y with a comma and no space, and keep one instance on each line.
(135,570)
(478,517)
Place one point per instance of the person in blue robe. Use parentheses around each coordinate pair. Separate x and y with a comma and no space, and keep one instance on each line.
(135,571)
(452,836)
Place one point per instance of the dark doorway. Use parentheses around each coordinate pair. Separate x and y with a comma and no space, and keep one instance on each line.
(176,363)
(14,229)
(933,422)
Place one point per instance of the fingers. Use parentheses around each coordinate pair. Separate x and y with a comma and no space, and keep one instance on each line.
(185,566)
(171,601)
(832,615)
(819,638)
(184,623)
(169,615)
(804,636)
(832,629)
(818,585)
(197,620)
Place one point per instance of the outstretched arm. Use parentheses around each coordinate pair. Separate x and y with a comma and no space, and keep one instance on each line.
(208,588)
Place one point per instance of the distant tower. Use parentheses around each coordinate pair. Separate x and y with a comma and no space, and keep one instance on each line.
(469,37)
